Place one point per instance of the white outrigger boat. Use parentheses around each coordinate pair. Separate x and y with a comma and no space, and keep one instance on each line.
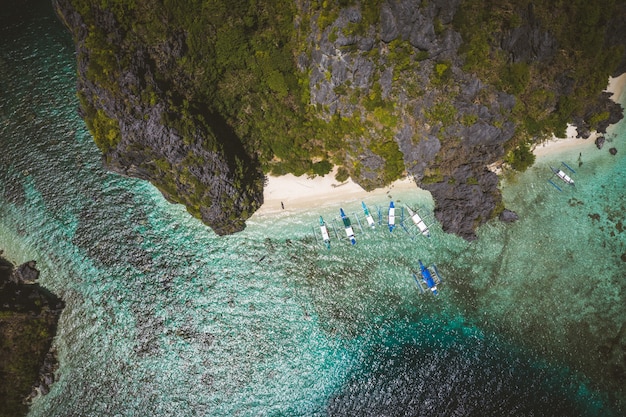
(391,219)
(348,226)
(419,222)
(368,216)
(325,235)
(562,175)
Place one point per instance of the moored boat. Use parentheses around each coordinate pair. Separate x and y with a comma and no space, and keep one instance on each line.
(324,231)
(428,278)
(419,222)
(562,175)
(348,226)
(368,216)
(391,218)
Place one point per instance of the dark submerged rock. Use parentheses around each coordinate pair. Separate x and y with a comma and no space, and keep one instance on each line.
(613,151)
(508,216)
(25,273)
(600,142)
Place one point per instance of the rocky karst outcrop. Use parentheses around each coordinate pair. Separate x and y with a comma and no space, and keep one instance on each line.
(138,123)
(28,320)
(449,132)
(404,87)
(452,126)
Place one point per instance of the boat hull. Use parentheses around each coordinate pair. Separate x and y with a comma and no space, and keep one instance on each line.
(348,227)
(368,216)
(391,217)
(419,222)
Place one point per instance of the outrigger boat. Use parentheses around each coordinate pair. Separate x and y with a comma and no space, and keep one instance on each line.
(430,279)
(325,235)
(419,223)
(562,175)
(368,216)
(391,219)
(348,226)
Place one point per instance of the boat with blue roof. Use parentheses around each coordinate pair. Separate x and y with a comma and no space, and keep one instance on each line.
(391,218)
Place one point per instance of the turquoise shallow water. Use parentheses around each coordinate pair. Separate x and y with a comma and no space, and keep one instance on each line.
(165,318)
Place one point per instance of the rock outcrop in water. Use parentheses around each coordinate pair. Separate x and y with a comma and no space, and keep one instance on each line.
(138,121)
(198,100)
(28,320)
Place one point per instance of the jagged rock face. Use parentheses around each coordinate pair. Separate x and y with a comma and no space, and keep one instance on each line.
(529,42)
(25,273)
(392,82)
(447,158)
(604,105)
(468,196)
(453,126)
(215,178)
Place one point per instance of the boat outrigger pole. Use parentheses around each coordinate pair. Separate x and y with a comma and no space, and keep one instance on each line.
(562,175)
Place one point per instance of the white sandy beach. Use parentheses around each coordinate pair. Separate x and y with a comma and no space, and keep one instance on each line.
(571,142)
(297,193)
(616,86)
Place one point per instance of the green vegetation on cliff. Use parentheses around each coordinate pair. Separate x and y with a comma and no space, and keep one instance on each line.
(238,59)
(378,89)
(550,92)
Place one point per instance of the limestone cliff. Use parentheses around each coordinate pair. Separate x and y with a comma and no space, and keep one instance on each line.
(146,127)
(203,99)
(451,123)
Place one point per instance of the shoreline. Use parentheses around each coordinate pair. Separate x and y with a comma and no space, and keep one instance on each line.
(616,86)
(288,193)
(570,142)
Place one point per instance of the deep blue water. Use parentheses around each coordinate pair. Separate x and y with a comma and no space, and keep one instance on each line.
(165,318)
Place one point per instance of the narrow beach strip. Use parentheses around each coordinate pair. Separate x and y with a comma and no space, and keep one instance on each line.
(288,193)
(571,142)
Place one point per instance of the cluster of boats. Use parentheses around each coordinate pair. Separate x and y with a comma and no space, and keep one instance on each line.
(428,277)
(417,220)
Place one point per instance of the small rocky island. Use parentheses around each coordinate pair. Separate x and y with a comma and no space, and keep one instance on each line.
(29,315)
